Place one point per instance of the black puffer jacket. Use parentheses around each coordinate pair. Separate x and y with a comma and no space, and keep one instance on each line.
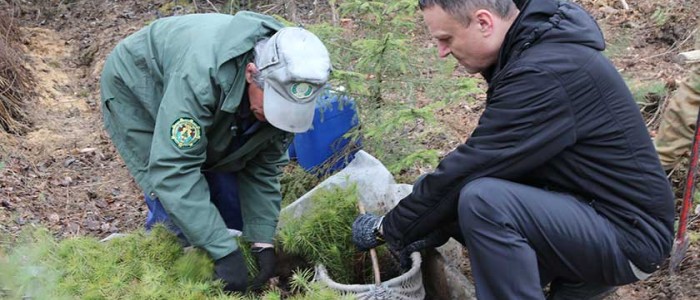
(558,116)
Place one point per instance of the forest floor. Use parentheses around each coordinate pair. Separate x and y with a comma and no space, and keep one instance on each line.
(65,174)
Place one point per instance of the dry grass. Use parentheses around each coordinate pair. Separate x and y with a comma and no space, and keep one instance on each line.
(15,79)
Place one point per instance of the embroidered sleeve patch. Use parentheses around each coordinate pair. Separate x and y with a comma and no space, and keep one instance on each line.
(185,132)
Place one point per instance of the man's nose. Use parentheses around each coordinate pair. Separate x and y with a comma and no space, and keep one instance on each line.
(443,50)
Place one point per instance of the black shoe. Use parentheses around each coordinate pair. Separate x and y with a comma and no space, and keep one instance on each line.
(561,290)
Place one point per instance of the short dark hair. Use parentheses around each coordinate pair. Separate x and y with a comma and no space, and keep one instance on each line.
(461,9)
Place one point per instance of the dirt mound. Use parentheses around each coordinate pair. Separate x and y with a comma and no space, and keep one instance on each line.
(65,174)
(15,79)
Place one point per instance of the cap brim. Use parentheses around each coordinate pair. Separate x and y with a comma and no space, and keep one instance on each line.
(287,115)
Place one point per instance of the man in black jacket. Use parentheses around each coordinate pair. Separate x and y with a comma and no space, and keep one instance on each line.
(559,183)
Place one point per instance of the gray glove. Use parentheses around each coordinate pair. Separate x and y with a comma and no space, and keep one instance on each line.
(232,270)
(365,232)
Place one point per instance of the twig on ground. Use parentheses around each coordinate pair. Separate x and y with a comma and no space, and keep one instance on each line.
(657,113)
(625,6)
(270,7)
(213,6)
(673,47)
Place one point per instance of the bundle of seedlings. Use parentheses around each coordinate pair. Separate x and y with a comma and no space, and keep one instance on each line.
(139,265)
(15,79)
(323,236)
(136,266)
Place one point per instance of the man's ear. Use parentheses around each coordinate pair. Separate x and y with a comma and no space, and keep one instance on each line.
(250,69)
(485,21)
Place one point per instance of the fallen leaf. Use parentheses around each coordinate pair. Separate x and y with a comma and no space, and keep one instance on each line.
(54,218)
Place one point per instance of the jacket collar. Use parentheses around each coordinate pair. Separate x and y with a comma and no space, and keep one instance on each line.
(534,19)
(550,21)
(240,36)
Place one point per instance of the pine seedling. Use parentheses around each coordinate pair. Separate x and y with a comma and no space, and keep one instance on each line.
(27,270)
(195,266)
(295,183)
(306,289)
(323,235)
(139,265)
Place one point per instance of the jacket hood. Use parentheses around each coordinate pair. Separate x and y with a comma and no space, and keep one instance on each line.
(244,30)
(548,21)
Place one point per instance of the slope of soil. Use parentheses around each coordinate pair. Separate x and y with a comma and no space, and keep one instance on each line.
(64,173)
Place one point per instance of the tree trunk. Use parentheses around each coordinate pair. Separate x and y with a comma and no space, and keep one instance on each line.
(291,10)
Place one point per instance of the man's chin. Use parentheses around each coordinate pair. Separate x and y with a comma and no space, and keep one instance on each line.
(470,69)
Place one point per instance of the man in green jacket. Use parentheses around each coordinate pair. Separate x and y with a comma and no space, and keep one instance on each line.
(202,109)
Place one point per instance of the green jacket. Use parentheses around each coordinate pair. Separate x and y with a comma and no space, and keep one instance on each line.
(169,96)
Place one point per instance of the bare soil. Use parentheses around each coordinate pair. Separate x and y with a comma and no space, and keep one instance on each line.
(65,174)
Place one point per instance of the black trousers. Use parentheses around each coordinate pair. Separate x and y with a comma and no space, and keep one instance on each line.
(520,238)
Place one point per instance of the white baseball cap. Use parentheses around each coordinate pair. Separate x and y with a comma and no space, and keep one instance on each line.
(295,66)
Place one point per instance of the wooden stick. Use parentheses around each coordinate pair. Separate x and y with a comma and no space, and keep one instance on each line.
(680,243)
(291,9)
(372,253)
(689,57)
